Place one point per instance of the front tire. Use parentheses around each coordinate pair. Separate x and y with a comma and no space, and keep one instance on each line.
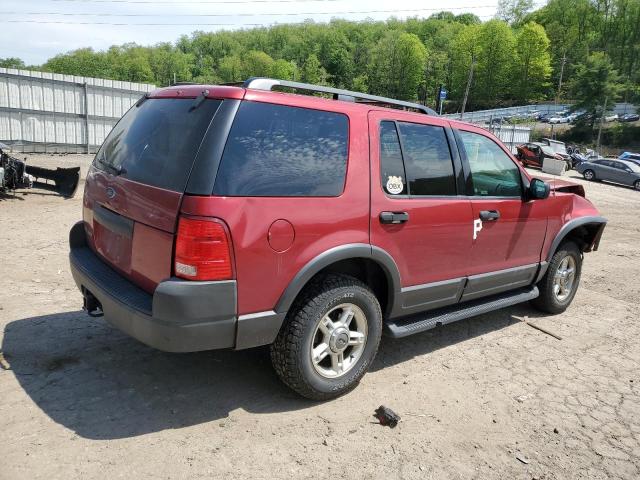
(636,185)
(329,339)
(589,175)
(560,283)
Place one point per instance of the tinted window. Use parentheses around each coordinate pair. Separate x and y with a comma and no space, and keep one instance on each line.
(392,171)
(427,160)
(492,171)
(279,151)
(156,143)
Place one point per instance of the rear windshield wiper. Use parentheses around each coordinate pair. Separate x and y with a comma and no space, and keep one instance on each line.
(119,170)
(199,100)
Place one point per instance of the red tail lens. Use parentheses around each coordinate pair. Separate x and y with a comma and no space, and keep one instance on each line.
(202,250)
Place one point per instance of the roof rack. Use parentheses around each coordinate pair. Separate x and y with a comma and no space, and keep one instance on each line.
(268,84)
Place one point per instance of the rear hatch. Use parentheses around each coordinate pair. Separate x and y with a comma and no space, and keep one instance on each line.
(134,189)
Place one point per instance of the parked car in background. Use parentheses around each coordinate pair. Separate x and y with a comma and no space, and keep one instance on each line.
(533,154)
(558,147)
(611,118)
(544,118)
(629,117)
(611,170)
(630,157)
(556,119)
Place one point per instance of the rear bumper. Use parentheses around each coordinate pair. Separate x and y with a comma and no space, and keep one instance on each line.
(180,316)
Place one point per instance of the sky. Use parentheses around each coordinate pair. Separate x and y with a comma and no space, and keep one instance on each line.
(63,25)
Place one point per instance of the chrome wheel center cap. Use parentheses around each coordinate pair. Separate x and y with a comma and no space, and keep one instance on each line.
(339,340)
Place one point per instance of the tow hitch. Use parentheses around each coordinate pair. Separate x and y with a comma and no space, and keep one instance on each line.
(91,304)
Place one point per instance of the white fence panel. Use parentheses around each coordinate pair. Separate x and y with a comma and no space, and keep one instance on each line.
(49,112)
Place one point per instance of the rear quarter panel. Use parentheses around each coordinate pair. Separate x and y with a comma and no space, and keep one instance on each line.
(319,223)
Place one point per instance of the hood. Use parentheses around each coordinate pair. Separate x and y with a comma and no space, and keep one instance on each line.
(564,186)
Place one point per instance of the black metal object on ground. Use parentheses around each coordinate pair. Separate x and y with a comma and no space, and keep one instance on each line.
(15,173)
(386,416)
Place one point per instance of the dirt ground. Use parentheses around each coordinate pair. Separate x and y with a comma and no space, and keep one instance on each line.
(486,398)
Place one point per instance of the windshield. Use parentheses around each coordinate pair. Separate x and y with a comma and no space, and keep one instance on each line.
(633,167)
(156,142)
(547,149)
(557,147)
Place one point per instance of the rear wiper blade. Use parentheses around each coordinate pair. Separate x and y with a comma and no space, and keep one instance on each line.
(199,100)
(119,170)
(142,99)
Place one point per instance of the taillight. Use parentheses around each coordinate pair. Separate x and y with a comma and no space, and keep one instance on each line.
(203,251)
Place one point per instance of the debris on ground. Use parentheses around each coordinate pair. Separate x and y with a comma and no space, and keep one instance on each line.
(386,416)
(525,319)
(522,459)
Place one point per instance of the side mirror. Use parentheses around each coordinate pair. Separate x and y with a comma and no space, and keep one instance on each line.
(539,190)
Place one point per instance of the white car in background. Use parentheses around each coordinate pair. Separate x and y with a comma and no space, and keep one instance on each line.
(559,119)
(611,118)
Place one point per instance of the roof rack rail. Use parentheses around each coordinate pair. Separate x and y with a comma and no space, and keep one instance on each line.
(261,83)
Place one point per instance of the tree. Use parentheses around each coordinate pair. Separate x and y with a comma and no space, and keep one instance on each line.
(167,62)
(464,52)
(595,83)
(514,11)
(495,63)
(12,62)
(533,67)
(313,72)
(397,65)
(256,64)
(231,69)
(284,70)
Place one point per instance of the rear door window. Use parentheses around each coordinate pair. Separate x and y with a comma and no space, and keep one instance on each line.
(427,159)
(415,159)
(282,151)
(156,142)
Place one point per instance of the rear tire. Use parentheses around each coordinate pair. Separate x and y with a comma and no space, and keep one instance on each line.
(589,175)
(560,282)
(329,339)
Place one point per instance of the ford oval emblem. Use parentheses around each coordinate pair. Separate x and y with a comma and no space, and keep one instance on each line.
(111,192)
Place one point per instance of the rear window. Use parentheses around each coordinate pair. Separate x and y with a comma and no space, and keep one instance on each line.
(281,151)
(156,142)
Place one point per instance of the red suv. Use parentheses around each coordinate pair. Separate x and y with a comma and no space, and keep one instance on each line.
(233,217)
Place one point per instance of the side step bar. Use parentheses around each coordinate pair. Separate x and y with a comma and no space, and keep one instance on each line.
(402,327)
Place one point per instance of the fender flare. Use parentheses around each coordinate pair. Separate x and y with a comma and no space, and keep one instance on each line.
(572,225)
(336,254)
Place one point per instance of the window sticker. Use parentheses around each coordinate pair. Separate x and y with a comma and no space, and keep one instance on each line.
(394,185)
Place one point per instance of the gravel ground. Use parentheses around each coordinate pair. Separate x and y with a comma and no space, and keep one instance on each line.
(486,398)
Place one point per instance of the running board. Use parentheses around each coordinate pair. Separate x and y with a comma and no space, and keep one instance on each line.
(405,326)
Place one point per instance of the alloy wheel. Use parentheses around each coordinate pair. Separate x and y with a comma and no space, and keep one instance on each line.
(339,340)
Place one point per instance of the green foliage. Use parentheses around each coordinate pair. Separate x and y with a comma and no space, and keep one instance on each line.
(313,71)
(514,61)
(595,83)
(397,65)
(622,135)
(495,61)
(11,62)
(513,11)
(533,62)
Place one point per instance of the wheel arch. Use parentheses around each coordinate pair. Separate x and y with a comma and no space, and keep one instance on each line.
(585,231)
(363,261)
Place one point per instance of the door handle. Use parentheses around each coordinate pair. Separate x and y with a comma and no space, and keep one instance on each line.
(394,217)
(489,215)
